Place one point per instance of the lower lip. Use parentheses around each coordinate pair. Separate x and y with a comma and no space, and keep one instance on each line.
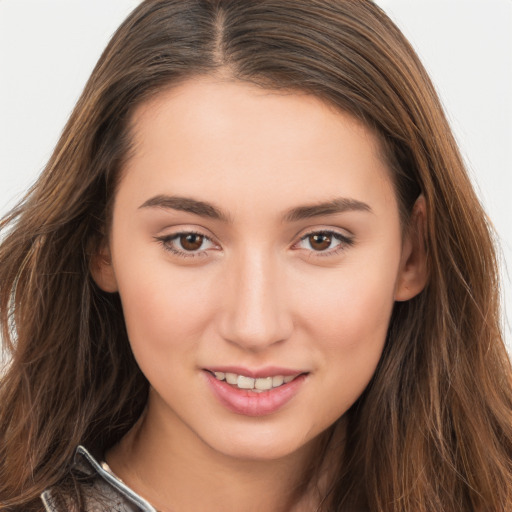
(249,403)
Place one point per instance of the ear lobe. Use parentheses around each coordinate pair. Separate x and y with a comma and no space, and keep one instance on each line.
(413,274)
(102,270)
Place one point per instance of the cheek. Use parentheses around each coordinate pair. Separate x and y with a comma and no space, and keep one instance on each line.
(164,310)
(354,305)
(349,333)
(349,319)
(350,338)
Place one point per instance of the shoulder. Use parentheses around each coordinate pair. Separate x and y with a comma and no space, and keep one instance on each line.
(97,489)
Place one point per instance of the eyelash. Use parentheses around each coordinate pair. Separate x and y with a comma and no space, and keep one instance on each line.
(166,241)
(344,240)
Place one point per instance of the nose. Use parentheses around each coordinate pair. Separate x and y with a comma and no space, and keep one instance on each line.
(255,312)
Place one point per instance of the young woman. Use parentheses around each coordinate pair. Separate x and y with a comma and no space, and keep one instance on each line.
(254,276)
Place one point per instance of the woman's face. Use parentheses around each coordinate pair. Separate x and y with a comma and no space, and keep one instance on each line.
(255,239)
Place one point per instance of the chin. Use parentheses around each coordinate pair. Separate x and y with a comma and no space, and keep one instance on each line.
(260,444)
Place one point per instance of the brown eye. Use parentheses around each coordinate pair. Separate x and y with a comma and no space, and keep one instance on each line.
(320,241)
(325,243)
(191,241)
(187,244)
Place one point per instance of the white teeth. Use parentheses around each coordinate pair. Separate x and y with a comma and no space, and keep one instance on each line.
(257,385)
(245,382)
(231,378)
(277,381)
(263,384)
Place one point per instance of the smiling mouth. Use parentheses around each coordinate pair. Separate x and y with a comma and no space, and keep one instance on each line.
(257,385)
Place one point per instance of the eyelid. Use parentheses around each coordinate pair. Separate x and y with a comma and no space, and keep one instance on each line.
(166,239)
(344,239)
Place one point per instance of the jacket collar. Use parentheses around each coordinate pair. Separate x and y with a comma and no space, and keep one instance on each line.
(86,464)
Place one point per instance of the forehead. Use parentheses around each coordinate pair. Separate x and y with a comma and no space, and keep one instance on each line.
(245,144)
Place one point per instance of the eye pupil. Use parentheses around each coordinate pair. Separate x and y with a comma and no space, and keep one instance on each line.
(320,242)
(191,241)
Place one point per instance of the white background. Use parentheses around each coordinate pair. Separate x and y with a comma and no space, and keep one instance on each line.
(49,47)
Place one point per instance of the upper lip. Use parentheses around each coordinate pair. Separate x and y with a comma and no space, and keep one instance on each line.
(267,371)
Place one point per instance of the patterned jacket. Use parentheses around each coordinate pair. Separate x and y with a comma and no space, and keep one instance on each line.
(101,490)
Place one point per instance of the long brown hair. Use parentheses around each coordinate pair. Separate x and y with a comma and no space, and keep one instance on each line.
(433,430)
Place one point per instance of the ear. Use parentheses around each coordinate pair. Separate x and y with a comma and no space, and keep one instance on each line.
(102,270)
(413,274)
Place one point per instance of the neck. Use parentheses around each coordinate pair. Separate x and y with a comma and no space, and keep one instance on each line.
(176,471)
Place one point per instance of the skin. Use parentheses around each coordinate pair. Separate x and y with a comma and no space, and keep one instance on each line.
(258,293)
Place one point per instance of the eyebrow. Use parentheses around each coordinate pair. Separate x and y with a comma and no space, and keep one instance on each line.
(338,205)
(204,209)
(186,204)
